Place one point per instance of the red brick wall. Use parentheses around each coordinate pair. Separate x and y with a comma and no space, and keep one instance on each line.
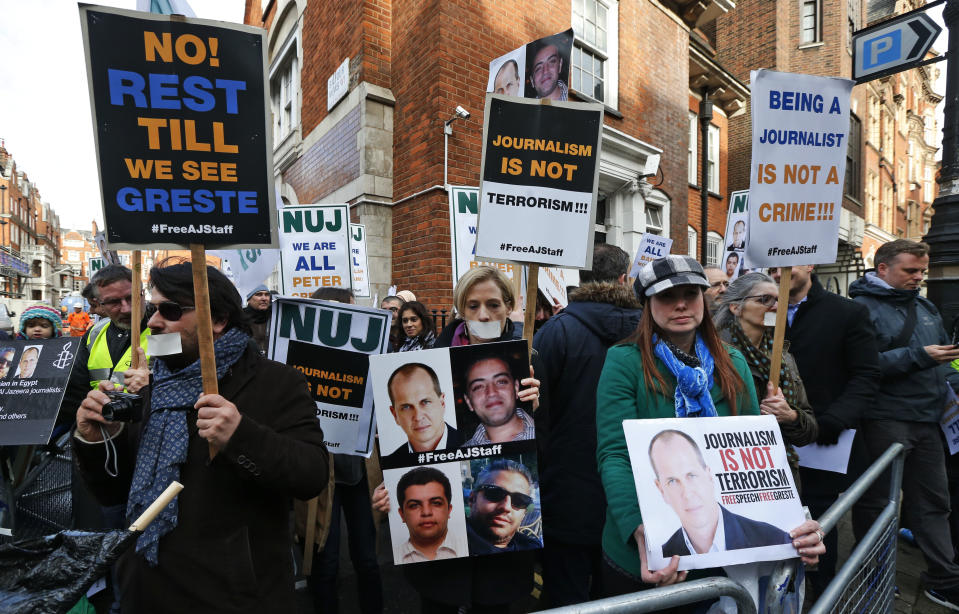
(718,203)
(332,162)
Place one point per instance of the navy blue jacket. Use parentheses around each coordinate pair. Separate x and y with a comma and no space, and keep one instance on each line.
(571,350)
(741,532)
(913,385)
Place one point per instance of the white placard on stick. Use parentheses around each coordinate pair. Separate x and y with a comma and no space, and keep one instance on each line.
(539,179)
(315,249)
(650,248)
(800,127)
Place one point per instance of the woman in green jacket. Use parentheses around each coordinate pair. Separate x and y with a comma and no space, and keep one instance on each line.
(675,337)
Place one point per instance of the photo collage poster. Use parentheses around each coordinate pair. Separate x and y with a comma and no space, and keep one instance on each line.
(458,451)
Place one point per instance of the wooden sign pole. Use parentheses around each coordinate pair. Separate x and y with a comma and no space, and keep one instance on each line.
(136,308)
(779,336)
(201,296)
(529,317)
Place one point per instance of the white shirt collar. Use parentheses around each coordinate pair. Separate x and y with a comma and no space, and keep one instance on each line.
(451,548)
(719,539)
(440,446)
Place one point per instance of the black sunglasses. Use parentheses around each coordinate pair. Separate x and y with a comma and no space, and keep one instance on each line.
(495,494)
(168,310)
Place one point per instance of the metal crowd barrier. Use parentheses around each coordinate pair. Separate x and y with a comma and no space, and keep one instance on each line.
(864,585)
(40,503)
(866,582)
(656,599)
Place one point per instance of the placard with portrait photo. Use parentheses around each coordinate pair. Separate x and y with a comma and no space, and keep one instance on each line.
(714,491)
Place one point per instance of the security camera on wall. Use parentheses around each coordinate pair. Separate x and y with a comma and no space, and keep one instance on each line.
(462,113)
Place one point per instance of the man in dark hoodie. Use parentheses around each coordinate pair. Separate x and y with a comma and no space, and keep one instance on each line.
(258,309)
(571,350)
(914,356)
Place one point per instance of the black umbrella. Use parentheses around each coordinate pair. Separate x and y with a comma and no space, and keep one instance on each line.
(48,575)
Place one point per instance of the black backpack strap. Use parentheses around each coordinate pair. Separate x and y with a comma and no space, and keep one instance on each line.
(902,339)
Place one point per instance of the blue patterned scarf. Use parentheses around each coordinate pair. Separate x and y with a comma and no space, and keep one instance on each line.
(165,437)
(692,383)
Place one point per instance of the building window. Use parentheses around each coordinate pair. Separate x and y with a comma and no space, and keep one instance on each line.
(853,157)
(654,219)
(714,248)
(713,159)
(594,65)
(692,242)
(284,78)
(810,22)
(691,163)
(927,186)
(599,236)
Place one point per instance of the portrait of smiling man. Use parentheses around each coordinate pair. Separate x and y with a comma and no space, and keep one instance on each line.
(418,405)
(425,502)
(547,67)
(491,392)
(686,483)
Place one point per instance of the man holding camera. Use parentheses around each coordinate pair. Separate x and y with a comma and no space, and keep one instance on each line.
(223,545)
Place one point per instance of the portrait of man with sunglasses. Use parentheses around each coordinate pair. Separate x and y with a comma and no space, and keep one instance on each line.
(267,449)
(6,360)
(498,502)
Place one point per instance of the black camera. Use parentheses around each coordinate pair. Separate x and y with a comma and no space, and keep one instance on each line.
(123,407)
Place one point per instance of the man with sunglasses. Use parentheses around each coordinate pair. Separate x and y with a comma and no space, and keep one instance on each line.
(224,545)
(6,361)
(498,502)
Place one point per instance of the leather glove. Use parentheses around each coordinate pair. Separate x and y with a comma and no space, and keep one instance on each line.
(829,430)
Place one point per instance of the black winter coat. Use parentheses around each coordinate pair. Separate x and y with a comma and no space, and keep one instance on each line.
(835,349)
(571,349)
(230,551)
(913,385)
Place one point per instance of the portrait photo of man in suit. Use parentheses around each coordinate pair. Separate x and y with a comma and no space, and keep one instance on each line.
(687,485)
(418,405)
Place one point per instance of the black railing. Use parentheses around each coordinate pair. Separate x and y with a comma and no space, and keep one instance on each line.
(439,317)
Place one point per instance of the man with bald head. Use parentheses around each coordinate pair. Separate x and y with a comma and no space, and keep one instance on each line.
(418,406)
(507,79)
(686,483)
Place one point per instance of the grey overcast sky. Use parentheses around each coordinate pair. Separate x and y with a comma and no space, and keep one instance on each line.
(45,105)
(45,108)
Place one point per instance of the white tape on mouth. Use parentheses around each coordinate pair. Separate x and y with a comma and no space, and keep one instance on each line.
(164,345)
(485,330)
(769,318)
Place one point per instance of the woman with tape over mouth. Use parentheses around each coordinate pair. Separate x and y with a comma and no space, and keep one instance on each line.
(746,319)
(483,299)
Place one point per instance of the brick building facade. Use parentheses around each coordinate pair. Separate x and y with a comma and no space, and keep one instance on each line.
(889,184)
(410,64)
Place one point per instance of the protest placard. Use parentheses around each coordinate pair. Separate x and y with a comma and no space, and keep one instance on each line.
(734,260)
(833,457)
(33,377)
(182,130)
(110,255)
(331,344)
(463,209)
(539,178)
(800,124)
(247,268)
(94,265)
(359,261)
(456,412)
(735,471)
(539,69)
(950,420)
(315,249)
(650,248)
(553,283)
